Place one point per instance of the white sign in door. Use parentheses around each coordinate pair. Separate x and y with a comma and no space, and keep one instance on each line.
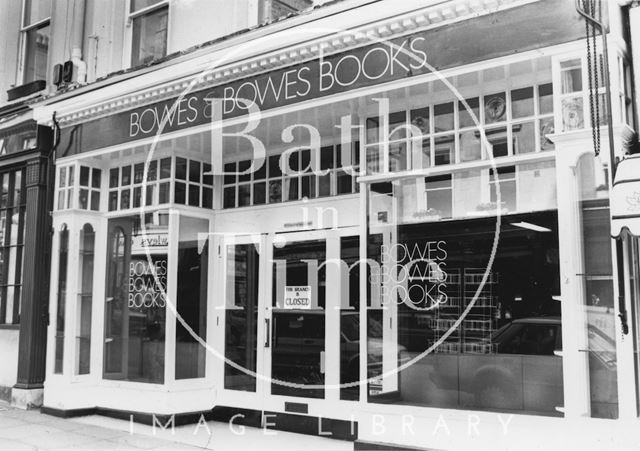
(297,297)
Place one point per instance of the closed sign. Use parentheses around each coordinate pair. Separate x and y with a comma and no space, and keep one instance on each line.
(297,297)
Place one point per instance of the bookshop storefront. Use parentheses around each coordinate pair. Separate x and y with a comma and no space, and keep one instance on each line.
(388,246)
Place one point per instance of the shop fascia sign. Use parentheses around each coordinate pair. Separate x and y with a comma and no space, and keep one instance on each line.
(378,63)
(384,61)
(373,64)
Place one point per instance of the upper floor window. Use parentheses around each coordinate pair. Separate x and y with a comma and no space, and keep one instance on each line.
(276,9)
(35,33)
(149,19)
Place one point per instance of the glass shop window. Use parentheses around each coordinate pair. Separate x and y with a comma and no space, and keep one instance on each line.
(63,258)
(597,336)
(241,318)
(13,201)
(480,335)
(350,320)
(85,300)
(149,33)
(135,307)
(191,303)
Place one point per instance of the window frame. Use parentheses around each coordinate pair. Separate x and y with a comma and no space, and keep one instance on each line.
(24,31)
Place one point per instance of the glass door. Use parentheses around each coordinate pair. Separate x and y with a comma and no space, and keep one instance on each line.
(241,269)
(297,316)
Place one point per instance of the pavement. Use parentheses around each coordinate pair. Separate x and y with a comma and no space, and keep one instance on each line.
(29,430)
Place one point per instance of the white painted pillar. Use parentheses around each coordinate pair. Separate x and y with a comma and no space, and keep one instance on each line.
(575,363)
(100,264)
(332,317)
(172,298)
(69,359)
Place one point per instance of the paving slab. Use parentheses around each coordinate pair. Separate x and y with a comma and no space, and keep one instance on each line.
(22,430)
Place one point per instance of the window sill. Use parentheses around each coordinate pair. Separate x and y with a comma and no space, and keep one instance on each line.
(26,89)
(9,326)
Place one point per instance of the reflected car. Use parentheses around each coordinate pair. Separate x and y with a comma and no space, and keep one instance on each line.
(524,370)
(298,341)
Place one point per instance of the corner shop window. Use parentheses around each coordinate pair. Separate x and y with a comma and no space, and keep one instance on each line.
(63,257)
(85,300)
(433,273)
(65,187)
(35,33)
(574,94)
(12,227)
(149,34)
(191,302)
(83,180)
(135,307)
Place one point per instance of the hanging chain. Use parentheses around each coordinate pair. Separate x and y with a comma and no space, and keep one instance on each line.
(598,64)
(592,71)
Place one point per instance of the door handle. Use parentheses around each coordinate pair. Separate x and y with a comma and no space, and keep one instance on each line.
(267,333)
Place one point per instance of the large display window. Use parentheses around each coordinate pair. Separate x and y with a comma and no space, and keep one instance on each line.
(467,310)
(191,298)
(597,317)
(135,304)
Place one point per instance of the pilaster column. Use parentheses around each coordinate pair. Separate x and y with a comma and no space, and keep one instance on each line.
(35,288)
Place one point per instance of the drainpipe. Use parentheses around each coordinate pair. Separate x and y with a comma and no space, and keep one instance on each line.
(634,30)
(77,38)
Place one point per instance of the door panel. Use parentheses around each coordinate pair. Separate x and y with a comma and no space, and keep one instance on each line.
(241,316)
(298,334)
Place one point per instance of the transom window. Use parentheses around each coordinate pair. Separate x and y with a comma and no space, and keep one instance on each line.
(168,180)
(149,20)
(269,185)
(512,105)
(35,34)
(83,180)
(574,94)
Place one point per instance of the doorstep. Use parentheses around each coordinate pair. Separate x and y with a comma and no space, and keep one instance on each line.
(359,445)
